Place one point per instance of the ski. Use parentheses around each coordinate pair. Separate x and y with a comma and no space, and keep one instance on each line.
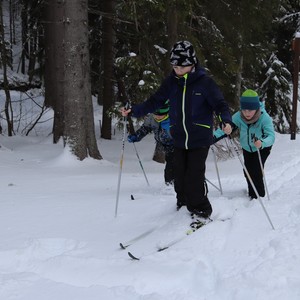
(137,238)
(160,249)
(194,226)
(144,234)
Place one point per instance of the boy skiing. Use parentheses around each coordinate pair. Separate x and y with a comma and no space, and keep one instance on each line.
(256,132)
(159,124)
(194,97)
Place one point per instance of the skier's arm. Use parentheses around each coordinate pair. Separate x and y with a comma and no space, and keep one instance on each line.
(268,133)
(141,132)
(219,134)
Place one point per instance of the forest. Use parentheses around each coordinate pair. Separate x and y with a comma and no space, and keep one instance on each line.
(118,51)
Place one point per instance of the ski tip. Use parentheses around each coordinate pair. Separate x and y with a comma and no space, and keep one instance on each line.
(132,256)
(123,246)
(162,249)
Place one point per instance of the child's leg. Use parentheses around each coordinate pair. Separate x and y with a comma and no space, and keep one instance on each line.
(264,153)
(169,168)
(179,175)
(253,168)
(196,189)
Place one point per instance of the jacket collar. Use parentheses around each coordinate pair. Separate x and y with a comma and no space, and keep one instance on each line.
(194,75)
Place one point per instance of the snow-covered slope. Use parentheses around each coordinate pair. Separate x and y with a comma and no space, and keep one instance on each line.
(60,237)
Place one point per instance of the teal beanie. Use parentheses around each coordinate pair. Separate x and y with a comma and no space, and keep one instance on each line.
(250,100)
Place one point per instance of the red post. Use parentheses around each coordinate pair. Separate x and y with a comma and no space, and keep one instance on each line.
(296,49)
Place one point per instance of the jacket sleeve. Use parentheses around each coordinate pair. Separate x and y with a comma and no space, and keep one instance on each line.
(219,134)
(145,129)
(154,102)
(216,100)
(268,132)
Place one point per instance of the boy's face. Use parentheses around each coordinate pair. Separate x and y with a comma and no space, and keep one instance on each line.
(159,117)
(181,71)
(248,114)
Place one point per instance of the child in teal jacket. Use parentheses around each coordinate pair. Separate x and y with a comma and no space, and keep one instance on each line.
(256,132)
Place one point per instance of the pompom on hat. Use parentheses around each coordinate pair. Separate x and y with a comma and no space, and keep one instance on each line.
(250,100)
(183,54)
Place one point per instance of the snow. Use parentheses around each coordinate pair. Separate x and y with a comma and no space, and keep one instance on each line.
(161,49)
(60,236)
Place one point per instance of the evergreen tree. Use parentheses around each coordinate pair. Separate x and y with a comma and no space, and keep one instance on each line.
(233,37)
(287,24)
(275,91)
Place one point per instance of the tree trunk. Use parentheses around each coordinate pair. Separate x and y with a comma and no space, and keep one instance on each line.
(25,48)
(239,80)
(172,33)
(79,132)
(54,64)
(108,69)
(8,109)
(32,54)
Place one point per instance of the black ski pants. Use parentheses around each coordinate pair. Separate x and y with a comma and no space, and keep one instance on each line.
(189,170)
(252,164)
(169,168)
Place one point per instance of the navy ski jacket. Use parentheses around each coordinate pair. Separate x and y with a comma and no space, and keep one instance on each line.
(193,100)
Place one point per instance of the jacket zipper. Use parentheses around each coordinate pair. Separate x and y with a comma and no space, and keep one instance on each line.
(183,113)
(248,137)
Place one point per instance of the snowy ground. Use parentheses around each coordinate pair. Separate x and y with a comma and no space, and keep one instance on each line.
(60,237)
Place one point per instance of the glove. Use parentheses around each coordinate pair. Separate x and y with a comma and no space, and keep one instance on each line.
(132,138)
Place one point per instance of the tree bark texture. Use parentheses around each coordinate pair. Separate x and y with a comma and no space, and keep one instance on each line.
(54,64)
(4,63)
(108,69)
(79,132)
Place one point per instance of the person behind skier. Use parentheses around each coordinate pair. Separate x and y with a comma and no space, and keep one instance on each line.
(194,97)
(159,124)
(256,132)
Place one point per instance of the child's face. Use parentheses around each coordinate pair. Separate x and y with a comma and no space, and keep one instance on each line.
(248,114)
(181,71)
(158,118)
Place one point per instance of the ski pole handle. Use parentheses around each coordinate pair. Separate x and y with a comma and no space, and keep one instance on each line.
(257,145)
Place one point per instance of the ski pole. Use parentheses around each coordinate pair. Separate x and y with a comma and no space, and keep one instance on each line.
(251,182)
(137,154)
(217,188)
(262,171)
(217,170)
(121,166)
